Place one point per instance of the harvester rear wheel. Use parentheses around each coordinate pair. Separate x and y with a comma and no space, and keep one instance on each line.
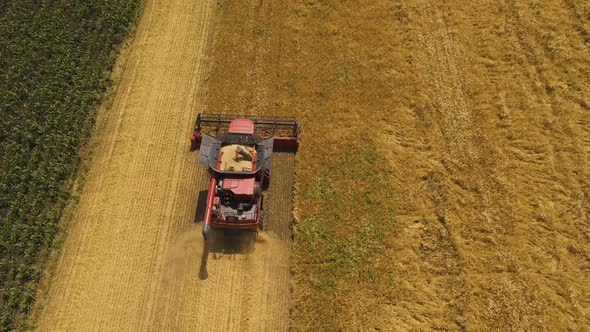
(261,220)
(266,179)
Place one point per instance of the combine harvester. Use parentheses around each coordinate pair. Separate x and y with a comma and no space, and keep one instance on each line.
(237,150)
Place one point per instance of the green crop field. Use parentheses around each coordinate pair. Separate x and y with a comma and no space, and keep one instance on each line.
(54,62)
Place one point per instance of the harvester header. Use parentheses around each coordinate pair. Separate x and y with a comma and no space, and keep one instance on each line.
(284,130)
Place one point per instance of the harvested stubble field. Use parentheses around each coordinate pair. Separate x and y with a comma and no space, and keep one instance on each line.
(442,182)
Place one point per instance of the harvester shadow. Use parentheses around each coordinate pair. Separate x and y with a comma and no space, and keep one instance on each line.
(203,274)
(220,244)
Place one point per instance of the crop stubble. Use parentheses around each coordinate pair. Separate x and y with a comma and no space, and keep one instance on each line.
(480,114)
(134,258)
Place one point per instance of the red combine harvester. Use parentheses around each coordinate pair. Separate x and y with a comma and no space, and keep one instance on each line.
(237,150)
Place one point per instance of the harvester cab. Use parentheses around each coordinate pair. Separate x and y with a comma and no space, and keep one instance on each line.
(237,150)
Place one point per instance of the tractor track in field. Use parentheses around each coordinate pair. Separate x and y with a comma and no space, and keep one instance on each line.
(134,258)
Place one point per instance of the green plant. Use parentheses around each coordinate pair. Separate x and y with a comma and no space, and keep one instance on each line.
(54,60)
(347,216)
(262,31)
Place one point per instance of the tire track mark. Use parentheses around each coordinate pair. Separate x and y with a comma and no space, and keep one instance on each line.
(457,123)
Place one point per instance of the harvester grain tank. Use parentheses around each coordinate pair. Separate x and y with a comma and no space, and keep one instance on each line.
(237,150)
